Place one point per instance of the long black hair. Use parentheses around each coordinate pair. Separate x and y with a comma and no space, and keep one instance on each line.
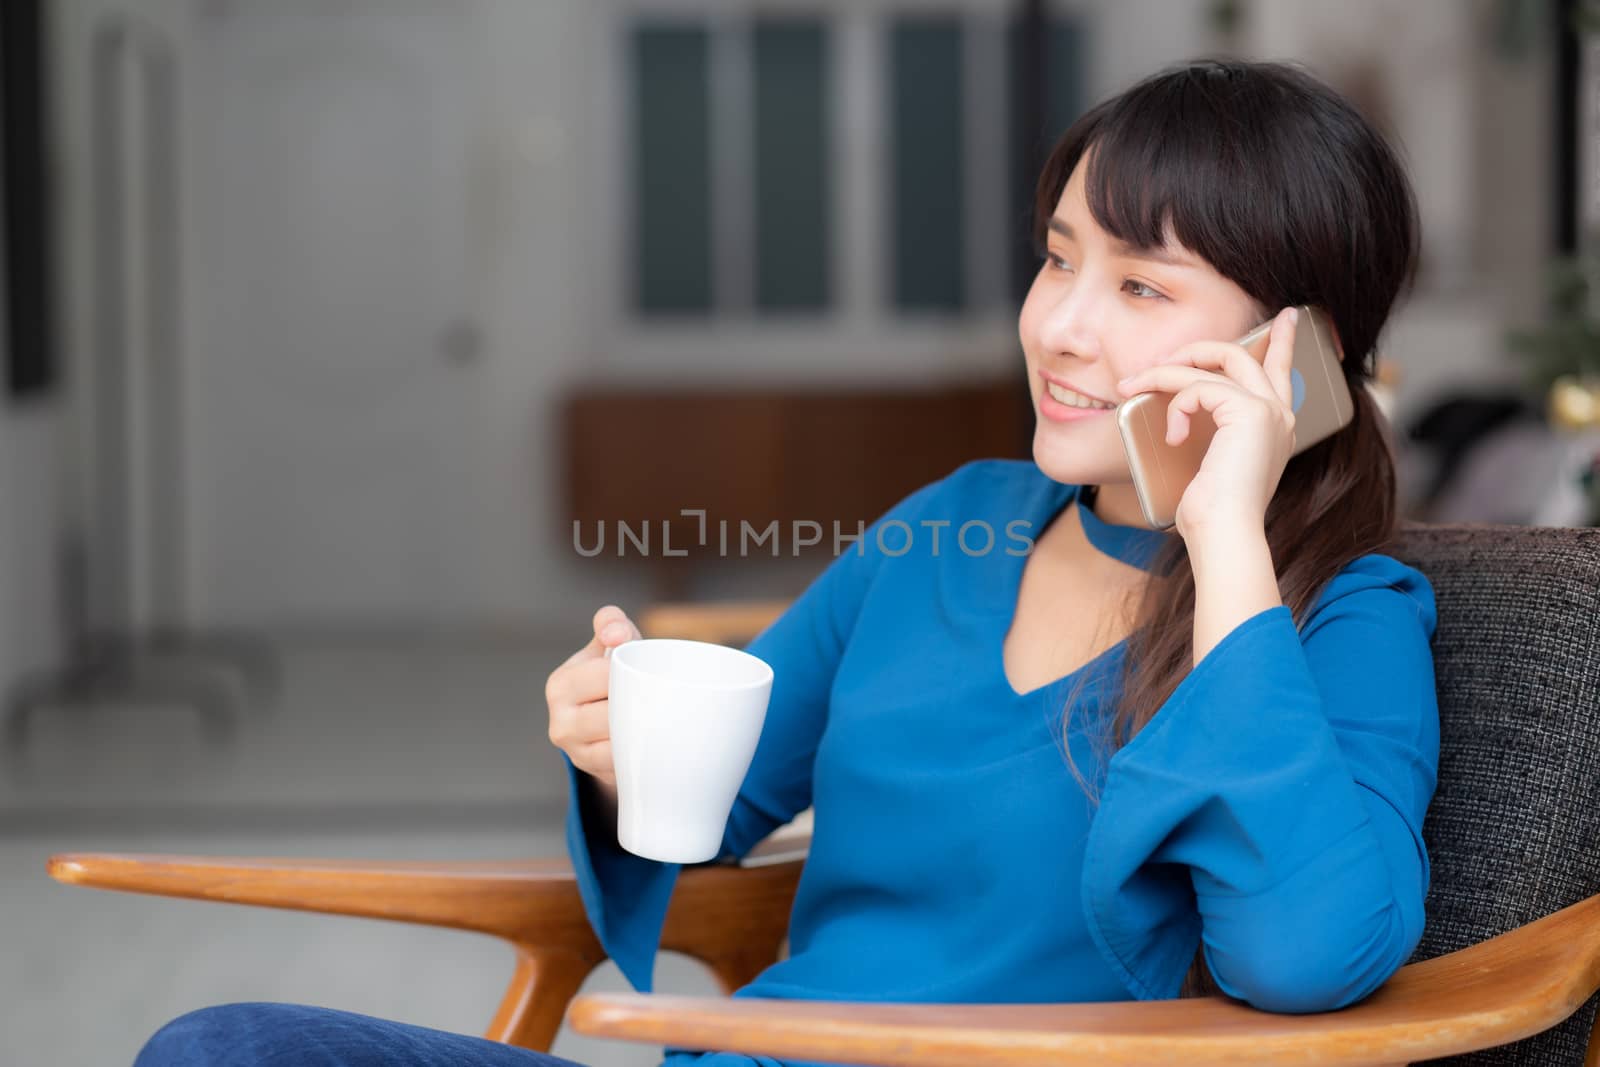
(1285,189)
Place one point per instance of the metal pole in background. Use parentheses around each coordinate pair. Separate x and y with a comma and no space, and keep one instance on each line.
(128,413)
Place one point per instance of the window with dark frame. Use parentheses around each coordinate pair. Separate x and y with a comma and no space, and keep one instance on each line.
(784,215)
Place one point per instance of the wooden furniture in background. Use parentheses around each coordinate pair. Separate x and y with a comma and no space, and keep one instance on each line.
(732,623)
(642,456)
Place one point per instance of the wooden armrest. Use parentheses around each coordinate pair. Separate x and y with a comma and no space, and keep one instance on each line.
(526,901)
(732,918)
(1504,989)
(716,912)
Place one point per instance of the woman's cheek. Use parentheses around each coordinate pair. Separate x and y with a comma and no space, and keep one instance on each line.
(1025,332)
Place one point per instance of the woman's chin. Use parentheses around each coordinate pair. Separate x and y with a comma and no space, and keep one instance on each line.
(1066,463)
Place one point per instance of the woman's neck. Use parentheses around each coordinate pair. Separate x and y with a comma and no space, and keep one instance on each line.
(1117,503)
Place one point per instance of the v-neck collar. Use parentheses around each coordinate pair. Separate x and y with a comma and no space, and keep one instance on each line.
(1136,546)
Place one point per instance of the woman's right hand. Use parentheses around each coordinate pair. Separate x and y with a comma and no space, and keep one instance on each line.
(576,692)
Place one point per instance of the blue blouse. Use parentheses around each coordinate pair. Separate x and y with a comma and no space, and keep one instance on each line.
(1272,810)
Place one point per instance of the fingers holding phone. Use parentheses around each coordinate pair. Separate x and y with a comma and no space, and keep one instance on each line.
(1279,361)
(1292,363)
(1238,363)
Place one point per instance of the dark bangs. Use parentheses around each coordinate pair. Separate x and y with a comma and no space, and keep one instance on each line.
(1263,171)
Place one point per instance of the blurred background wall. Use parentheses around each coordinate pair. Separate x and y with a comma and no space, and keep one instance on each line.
(354,307)
(442,217)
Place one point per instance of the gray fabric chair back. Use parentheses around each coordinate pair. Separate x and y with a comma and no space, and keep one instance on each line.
(1513,833)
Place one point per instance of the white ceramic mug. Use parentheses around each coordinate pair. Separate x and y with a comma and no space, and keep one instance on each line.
(685,718)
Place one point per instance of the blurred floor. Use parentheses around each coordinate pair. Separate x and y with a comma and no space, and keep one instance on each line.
(375,749)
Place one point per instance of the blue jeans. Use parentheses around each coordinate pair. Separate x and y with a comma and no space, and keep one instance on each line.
(295,1035)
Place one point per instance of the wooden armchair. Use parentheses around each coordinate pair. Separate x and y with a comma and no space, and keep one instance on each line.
(1507,971)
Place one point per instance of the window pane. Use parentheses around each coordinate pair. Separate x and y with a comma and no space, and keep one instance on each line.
(926,189)
(671,250)
(792,165)
(1062,103)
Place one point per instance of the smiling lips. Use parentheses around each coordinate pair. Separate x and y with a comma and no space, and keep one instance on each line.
(1055,411)
(1071,398)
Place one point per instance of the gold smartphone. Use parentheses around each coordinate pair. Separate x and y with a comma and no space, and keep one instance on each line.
(1322,406)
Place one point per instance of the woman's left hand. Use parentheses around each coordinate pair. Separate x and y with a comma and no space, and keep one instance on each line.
(1251,404)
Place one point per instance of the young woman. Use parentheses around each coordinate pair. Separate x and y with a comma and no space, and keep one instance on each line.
(1101,762)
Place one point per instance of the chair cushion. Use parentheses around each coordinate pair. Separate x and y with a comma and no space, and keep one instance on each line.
(1513,833)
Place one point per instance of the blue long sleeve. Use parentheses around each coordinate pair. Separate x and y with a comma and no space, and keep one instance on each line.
(626,896)
(1274,805)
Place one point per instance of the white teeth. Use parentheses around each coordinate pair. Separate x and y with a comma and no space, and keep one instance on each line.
(1074,400)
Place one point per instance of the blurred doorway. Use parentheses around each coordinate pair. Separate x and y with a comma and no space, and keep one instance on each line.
(336,378)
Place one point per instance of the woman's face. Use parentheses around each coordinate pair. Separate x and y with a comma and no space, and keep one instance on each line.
(1098,312)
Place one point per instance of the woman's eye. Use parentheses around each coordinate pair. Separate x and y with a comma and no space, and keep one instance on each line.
(1056,261)
(1143,286)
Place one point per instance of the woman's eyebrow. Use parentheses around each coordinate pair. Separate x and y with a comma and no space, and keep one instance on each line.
(1123,248)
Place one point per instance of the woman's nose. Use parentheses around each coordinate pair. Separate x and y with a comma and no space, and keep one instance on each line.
(1069,326)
